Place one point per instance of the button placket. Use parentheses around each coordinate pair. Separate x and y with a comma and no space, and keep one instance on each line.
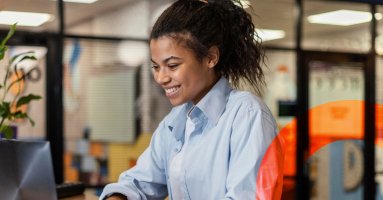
(178,147)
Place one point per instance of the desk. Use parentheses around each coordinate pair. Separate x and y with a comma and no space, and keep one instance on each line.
(86,196)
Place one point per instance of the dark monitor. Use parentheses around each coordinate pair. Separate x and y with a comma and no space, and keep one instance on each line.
(26,171)
(286,108)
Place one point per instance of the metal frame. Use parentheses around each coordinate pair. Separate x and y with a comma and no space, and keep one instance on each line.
(302,174)
(370,115)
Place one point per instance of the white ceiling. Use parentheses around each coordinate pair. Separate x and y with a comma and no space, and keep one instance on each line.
(270,14)
(74,12)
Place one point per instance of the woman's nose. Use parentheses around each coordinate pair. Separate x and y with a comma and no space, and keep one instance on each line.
(162,77)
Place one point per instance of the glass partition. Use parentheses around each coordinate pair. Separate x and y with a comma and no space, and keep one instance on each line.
(379,109)
(280,97)
(336,124)
(108,96)
(130,18)
(101,91)
(336,26)
(336,95)
(276,29)
(379,128)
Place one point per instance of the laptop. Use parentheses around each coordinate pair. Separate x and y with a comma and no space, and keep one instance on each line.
(26,171)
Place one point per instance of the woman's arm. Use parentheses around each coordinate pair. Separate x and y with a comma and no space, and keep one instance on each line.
(270,175)
(147,179)
(253,131)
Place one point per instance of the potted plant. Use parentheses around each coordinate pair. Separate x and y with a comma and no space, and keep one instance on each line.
(10,106)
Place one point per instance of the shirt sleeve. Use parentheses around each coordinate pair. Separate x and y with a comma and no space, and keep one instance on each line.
(253,131)
(147,179)
(270,175)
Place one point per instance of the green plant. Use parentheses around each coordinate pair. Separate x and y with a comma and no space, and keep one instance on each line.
(10,109)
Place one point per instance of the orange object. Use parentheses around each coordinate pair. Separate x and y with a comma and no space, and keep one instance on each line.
(329,123)
(270,175)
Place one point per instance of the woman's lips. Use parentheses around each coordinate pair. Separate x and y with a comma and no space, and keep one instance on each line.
(172,91)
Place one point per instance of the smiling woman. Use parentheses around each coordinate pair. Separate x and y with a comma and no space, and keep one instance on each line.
(212,143)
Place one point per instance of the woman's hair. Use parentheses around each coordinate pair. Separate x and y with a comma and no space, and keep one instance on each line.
(200,24)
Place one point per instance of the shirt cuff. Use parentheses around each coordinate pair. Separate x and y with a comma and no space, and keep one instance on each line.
(115,194)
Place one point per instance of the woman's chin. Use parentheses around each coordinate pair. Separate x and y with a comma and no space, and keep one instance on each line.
(176,102)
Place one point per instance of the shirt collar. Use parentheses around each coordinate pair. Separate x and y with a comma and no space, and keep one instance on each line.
(214,102)
(177,122)
(212,106)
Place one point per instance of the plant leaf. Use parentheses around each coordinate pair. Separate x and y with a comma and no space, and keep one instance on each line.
(26,99)
(16,59)
(25,55)
(7,131)
(8,112)
(19,115)
(31,121)
(5,109)
(11,31)
(3,48)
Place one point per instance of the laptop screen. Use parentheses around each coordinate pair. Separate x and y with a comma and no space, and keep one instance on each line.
(26,171)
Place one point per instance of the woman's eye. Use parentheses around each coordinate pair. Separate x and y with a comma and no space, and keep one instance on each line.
(173,66)
(155,67)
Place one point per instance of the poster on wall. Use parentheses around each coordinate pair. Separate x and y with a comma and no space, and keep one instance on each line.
(336,93)
(330,82)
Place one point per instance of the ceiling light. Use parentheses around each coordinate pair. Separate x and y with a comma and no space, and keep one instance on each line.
(269,34)
(341,17)
(245,3)
(23,18)
(378,16)
(79,1)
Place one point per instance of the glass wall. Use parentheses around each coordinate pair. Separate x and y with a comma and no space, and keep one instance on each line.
(336,117)
(122,13)
(336,26)
(379,109)
(100,95)
(275,29)
(280,96)
(277,32)
(336,96)
(111,103)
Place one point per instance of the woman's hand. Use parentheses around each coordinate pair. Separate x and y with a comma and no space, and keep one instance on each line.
(116,196)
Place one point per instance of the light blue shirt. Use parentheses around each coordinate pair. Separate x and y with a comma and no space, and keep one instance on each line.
(176,173)
(233,130)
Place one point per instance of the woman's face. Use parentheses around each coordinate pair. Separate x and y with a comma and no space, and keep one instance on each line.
(179,73)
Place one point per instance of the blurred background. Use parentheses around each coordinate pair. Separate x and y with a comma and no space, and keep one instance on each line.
(324,73)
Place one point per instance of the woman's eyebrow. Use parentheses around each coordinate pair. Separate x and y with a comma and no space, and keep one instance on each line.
(166,60)
(170,58)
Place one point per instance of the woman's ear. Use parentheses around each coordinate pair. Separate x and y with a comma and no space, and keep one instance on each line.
(212,57)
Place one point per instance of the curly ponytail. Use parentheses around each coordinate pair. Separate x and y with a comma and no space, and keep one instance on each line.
(201,24)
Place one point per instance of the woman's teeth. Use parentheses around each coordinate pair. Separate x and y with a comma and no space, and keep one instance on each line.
(171,90)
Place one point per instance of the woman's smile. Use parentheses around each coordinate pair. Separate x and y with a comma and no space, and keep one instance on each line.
(172,91)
